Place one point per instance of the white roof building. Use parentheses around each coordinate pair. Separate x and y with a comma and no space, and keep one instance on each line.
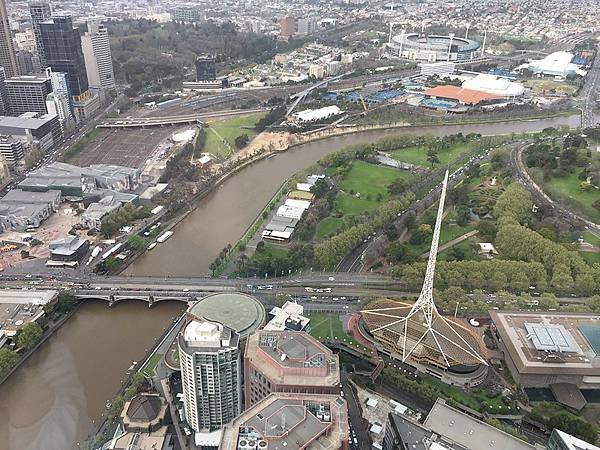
(555,64)
(494,85)
(310,115)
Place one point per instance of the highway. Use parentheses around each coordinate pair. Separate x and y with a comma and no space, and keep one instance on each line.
(540,197)
(589,93)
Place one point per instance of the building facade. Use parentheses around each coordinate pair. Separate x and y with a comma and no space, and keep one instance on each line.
(210,373)
(11,150)
(27,93)
(62,50)
(8,59)
(288,361)
(287,27)
(40,12)
(205,69)
(98,58)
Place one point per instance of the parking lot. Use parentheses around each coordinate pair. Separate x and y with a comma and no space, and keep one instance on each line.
(129,148)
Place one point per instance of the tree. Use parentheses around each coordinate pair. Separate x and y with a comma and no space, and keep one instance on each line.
(136,242)
(432,157)
(29,335)
(8,360)
(397,187)
(320,188)
(514,204)
(548,301)
(116,407)
(241,141)
(65,303)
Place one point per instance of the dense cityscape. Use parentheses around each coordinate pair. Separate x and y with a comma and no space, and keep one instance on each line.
(341,225)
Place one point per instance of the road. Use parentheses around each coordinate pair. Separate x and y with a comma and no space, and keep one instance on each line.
(540,197)
(589,93)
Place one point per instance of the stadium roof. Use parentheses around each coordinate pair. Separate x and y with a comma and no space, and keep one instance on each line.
(466,96)
(494,85)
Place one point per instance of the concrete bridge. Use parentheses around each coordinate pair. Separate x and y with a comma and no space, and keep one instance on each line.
(115,295)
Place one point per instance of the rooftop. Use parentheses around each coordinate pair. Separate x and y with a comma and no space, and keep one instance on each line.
(467,96)
(539,352)
(469,432)
(290,422)
(237,311)
(25,122)
(293,357)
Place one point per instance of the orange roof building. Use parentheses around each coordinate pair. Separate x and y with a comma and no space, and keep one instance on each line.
(462,95)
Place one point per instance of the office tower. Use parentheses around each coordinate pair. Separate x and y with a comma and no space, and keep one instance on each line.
(3,95)
(25,62)
(40,12)
(59,102)
(205,69)
(27,93)
(8,59)
(288,361)
(63,53)
(288,26)
(210,374)
(98,59)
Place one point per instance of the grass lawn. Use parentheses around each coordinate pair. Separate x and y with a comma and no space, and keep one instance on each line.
(149,367)
(448,232)
(590,257)
(328,226)
(541,86)
(418,155)
(466,246)
(220,136)
(326,327)
(567,188)
(591,238)
(368,180)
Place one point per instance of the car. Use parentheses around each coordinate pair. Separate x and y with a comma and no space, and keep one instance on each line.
(331,279)
(98,288)
(342,394)
(186,290)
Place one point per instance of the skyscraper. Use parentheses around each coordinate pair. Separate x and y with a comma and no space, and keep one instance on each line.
(40,12)
(27,93)
(62,50)
(8,59)
(98,59)
(210,374)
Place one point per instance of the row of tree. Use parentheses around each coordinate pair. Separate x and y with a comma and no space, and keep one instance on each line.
(125,215)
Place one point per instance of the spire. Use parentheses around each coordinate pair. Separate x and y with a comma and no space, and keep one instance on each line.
(425,300)
(422,327)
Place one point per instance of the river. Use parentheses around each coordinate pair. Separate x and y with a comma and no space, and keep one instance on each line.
(51,401)
(223,216)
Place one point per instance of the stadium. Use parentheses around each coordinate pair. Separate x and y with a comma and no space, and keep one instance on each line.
(431,48)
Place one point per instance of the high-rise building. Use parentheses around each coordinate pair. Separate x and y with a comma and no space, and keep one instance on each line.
(62,51)
(8,59)
(27,93)
(307,26)
(59,102)
(288,361)
(40,12)
(98,59)
(210,373)
(25,62)
(205,68)
(287,27)
(186,14)
(3,94)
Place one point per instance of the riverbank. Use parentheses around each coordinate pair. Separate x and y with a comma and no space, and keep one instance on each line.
(232,203)
(55,326)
